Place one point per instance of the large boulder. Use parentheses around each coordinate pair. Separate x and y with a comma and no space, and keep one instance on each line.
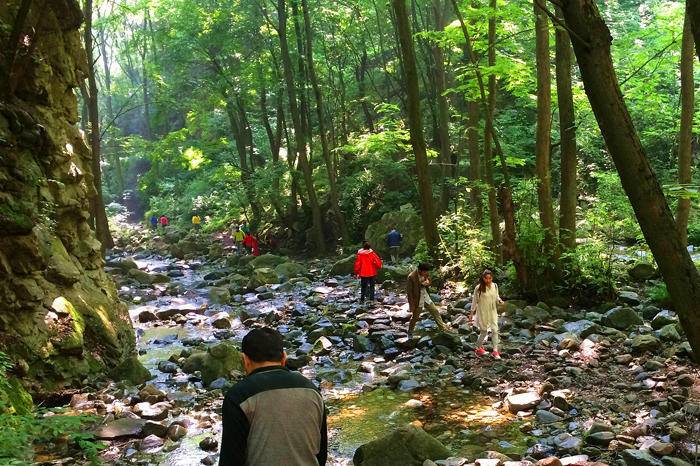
(263,276)
(344,266)
(406,221)
(392,272)
(267,261)
(622,317)
(217,362)
(290,270)
(642,272)
(219,295)
(406,446)
(642,343)
(582,328)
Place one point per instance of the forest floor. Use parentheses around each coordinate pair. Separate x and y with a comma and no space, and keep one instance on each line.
(585,386)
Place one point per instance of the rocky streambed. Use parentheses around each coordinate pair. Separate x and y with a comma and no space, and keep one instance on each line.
(610,384)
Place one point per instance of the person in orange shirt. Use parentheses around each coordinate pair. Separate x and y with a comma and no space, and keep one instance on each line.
(367,264)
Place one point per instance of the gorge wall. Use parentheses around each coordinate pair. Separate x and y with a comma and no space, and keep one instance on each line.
(60,318)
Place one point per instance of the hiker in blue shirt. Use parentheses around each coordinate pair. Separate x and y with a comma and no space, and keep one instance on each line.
(154,222)
(393,240)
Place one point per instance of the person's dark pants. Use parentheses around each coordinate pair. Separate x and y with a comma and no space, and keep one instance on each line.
(367,287)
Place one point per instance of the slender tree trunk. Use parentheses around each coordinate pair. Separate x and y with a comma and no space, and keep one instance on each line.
(148,132)
(361,89)
(410,74)
(443,109)
(299,133)
(591,40)
(97,205)
(567,133)
(323,136)
(685,136)
(475,162)
(489,137)
(116,160)
(544,127)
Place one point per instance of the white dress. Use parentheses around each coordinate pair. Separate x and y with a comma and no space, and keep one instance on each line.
(486,307)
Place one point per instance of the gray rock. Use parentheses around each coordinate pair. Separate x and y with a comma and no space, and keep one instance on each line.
(621,318)
(120,428)
(663,318)
(408,385)
(522,401)
(640,458)
(209,444)
(629,297)
(151,444)
(600,439)
(642,272)
(670,333)
(546,417)
(582,328)
(176,432)
(642,343)
(218,295)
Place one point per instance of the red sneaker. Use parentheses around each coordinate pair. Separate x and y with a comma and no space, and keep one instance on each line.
(496,355)
(480,352)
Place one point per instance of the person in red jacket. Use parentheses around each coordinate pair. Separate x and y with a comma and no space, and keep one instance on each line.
(251,242)
(366,266)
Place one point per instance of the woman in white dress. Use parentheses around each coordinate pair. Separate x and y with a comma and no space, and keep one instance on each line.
(484,305)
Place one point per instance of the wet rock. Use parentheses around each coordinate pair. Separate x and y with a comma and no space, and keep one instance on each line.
(642,272)
(147,316)
(361,344)
(218,361)
(639,458)
(265,296)
(408,385)
(120,428)
(146,278)
(661,448)
(448,339)
(151,394)
(153,412)
(672,461)
(221,321)
(219,295)
(621,318)
(663,318)
(598,427)
(176,432)
(219,384)
(210,460)
(642,343)
(549,461)
(290,270)
(547,417)
(167,367)
(406,446)
(568,443)
(209,444)
(686,380)
(131,370)
(629,297)
(582,328)
(151,444)
(267,261)
(600,439)
(154,428)
(322,346)
(522,401)
(263,276)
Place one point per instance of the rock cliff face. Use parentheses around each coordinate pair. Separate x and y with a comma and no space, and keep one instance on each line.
(60,319)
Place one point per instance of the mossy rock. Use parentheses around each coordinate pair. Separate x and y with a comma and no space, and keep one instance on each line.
(16,399)
(132,371)
(406,446)
(344,266)
(73,342)
(263,276)
(267,261)
(290,270)
(406,221)
(217,362)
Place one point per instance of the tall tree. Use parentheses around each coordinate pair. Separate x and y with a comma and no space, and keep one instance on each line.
(567,135)
(97,205)
(685,136)
(443,109)
(591,40)
(323,135)
(544,127)
(415,122)
(299,130)
(474,161)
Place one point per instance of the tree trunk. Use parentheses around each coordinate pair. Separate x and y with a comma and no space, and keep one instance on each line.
(97,204)
(410,75)
(489,137)
(443,109)
(147,131)
(544,127)
(362,93)
(510,245)
(323,136)
(685,136)
(475,162)
(299,133)
(567,134)
(591,40)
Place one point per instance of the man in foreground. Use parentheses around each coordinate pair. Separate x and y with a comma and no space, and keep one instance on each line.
(419,298)
(273,417)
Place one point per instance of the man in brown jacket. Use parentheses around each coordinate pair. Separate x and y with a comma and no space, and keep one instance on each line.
(418,297)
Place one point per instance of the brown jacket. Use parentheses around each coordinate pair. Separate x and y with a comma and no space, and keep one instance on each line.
(413,288)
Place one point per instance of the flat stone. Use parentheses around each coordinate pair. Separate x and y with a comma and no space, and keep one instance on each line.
(639,458)
(124,427)
(522,401)
(151,444)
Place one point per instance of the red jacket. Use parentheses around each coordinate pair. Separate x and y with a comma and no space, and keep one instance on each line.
(367,263)
(251,242)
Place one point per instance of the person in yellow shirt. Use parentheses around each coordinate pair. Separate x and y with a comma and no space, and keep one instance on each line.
(238,237)
(197,222)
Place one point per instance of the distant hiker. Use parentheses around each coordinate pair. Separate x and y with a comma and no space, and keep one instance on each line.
(273,416)
(419,298)
(367,264)
(251,242)
(484,305)
(196,222)
(154,222)
(393,240)
(164,221)
(238,237)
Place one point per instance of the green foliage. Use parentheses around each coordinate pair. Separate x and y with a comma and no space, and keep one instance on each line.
(463,244)
(589,271)
(658,293)
(610,213)
(421,253)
